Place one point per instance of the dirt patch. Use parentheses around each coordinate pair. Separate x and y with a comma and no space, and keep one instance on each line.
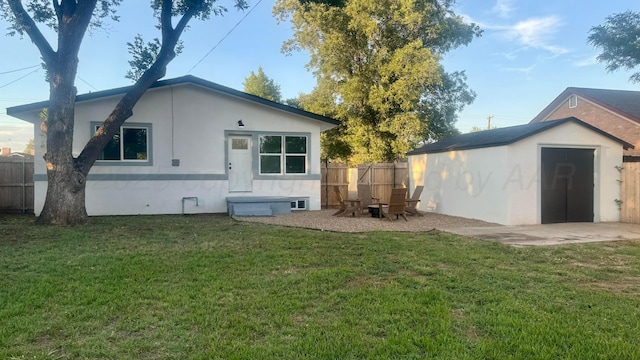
(623,286)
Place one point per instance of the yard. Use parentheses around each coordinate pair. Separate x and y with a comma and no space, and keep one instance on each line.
(206,287)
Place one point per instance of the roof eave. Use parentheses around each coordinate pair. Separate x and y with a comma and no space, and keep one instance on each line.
(16,111)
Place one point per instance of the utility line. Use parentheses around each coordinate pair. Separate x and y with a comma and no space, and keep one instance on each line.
(16,70)
(20,78)
(225,36)
(84,81)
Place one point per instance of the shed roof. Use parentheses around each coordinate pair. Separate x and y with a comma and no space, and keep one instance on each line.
(503,136)
(187,79)
(623,102)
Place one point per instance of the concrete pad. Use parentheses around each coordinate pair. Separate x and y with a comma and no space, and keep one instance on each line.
(552,234)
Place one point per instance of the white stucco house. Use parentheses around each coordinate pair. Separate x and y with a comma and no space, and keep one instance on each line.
(548,172)
(193,146)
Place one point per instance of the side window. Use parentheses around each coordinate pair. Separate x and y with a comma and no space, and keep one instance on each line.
(130,144)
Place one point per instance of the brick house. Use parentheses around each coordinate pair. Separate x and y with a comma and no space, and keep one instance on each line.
(616,112)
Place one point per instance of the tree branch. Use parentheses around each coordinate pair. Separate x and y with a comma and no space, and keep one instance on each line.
(182,24)
(124,109)
(80,19)
(58,10)
(165,18)
(29,26)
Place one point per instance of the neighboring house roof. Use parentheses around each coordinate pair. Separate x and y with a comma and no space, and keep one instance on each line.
(187,79)
(623,102)
(503,136)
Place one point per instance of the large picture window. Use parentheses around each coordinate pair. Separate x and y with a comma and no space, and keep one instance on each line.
(283,154)
(131,143)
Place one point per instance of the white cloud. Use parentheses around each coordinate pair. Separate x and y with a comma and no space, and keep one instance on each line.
(537,33)
(503,8)
(586,61)
(525,70)
(15,136)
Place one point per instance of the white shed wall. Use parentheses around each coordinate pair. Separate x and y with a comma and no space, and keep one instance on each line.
(467,183)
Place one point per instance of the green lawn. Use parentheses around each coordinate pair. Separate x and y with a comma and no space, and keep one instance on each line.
(207,287)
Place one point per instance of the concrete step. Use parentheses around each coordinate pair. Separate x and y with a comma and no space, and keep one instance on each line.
(252,209)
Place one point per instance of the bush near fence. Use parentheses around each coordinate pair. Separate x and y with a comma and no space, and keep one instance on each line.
(16,184)
(381,177)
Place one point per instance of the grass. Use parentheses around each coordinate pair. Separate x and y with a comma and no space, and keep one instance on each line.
(208,287)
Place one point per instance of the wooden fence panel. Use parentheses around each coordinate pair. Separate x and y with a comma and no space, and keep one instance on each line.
(381,177)
(630,193)
(333,175)
(16,184)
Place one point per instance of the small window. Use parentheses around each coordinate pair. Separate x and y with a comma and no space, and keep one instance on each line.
(131,143)
(573,101)
(239,144)
(299,205)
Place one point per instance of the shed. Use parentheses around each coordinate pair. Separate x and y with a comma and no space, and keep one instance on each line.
(548,172)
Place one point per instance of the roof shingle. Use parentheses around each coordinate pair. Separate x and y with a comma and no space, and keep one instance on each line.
(502,136)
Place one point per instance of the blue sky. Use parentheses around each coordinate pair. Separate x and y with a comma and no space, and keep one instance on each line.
(529,53)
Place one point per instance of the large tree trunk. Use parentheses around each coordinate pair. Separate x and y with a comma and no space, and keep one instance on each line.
(65,201)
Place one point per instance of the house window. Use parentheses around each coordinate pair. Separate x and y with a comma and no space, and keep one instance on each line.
(131,143)
(283,154)
(573,101)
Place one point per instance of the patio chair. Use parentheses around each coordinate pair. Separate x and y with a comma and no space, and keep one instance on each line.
(366,199)
(347,206)
(396,205)
(412,204)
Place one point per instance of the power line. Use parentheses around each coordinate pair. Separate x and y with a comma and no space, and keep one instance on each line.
(16,70)
(225,36)
(20,78)
(84,81)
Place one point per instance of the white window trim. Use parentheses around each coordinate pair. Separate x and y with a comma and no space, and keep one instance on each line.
(573,101)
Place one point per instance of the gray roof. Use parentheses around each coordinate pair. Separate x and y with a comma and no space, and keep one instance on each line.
(503,136)
(623,102)
(177,81)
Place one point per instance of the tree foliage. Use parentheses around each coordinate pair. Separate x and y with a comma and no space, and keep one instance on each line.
(70,19)
(260,84)
(29,147)
(619,39)
(377,65)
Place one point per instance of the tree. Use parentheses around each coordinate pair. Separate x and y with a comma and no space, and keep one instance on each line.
(618,39)
(70,19)
(29,147)
(478,128)
(260,84)
(377,66)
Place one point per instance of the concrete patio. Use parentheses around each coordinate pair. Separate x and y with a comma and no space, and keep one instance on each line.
(552,234)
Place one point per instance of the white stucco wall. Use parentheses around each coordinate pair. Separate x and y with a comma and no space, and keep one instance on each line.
(465,183)
(503,184)
(188,123)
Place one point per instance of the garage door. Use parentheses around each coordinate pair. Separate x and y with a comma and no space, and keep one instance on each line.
(567,185)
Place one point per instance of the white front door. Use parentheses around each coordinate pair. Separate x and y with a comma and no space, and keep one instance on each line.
(240,167)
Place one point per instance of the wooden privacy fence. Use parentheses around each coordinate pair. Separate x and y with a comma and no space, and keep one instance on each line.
(630,192)
(381,177)
(16,184)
